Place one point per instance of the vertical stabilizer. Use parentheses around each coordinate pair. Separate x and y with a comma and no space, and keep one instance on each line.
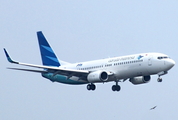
(47,55)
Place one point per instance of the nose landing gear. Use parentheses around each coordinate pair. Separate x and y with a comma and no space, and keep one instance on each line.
(160,74)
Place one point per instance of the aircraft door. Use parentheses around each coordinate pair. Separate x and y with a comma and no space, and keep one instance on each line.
(150,61)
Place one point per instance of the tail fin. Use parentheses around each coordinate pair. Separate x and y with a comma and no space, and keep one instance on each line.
(47,55)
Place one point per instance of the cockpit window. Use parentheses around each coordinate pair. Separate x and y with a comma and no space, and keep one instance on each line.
(163,57)
(159,57)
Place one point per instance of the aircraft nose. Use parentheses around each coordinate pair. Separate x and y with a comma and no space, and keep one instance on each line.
(170,63)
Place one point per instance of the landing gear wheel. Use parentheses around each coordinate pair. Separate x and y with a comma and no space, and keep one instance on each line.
(116,88)
(159,80)
(88,87)
(91,87)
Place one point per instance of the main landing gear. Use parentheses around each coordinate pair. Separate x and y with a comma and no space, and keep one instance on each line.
(116,87)
(91,86)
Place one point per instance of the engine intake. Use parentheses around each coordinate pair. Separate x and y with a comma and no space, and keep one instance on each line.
(97,76)
(140,80)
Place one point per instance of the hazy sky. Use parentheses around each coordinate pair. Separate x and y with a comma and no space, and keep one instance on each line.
(81,31)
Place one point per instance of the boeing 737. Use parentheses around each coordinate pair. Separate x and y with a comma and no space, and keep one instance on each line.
(136,68)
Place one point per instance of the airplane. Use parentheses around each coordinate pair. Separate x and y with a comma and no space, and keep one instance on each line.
(136,68)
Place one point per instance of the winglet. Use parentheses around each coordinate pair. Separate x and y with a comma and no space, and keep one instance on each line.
(8,57)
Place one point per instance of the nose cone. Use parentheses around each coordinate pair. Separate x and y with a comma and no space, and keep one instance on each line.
(170,63)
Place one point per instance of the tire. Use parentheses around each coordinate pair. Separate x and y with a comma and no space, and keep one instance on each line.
(88,87)
(93,87)
(118,88)
(114,88)
(160,80)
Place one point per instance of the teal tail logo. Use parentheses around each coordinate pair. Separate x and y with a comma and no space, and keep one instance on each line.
(139,57)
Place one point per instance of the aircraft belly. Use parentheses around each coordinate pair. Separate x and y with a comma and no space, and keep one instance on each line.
(131,71)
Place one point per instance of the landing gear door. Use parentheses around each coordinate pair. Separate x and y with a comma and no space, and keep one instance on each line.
(150,61)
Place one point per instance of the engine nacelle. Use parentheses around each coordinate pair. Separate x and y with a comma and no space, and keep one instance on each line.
(97,76)
(140,80)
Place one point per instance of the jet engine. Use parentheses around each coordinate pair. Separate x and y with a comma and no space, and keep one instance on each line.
(140,80)
(97,76)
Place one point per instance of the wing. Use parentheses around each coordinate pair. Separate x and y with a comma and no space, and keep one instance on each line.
(55,70)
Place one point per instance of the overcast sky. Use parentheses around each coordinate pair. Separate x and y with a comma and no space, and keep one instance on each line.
(81,31)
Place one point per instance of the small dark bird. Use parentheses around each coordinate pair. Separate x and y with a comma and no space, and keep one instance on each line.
(153,108)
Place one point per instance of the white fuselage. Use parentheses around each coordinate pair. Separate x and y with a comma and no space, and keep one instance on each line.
(126,66)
